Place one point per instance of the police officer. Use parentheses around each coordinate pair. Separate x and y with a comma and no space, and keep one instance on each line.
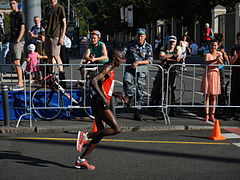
(138,53)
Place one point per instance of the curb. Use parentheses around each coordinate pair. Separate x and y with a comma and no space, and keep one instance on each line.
(60,129)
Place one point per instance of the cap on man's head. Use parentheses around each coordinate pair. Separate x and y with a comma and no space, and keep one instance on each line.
(172,38)
(141,31)
(207,24)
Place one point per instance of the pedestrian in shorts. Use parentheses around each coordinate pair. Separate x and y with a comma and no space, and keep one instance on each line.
(17,29)
(55,31)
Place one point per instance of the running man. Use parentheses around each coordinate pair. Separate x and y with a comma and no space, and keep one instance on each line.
(103,84)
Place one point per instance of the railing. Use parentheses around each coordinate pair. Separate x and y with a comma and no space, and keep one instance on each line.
(186,88)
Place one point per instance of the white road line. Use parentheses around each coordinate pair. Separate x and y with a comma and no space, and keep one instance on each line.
(231,135)
(236,144)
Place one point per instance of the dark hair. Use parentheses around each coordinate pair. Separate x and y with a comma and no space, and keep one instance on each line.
(18,1)
(36,17)
(218,37)
(184,36)
(114,52)
(213,41)
(238,34)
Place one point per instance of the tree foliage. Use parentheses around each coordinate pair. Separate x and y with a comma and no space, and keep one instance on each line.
(105,14)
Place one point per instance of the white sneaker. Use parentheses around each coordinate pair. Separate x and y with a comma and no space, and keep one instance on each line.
(17,88)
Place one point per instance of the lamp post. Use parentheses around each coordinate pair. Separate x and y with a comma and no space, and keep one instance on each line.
(31,8)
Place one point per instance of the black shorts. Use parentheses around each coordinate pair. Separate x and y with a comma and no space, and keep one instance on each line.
(98,105)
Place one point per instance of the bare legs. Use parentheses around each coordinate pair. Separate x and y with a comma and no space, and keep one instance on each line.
(19,73)
(56,59)
(210,100)
(110,120)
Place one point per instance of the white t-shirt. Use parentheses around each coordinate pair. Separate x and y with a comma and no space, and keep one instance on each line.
(194,49)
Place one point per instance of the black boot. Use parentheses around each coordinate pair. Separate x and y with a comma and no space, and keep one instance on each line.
(130,101)
(62,77)
(137,115)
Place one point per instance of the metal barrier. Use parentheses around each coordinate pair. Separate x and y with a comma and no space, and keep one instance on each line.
(186,88)
(8,77)
(190,96)
(72,78)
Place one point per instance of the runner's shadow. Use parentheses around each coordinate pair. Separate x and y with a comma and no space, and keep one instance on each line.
(19,158)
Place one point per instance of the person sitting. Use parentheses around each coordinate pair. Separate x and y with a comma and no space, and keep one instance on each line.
(95,53)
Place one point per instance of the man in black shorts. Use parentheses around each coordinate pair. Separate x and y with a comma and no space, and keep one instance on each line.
(102,84)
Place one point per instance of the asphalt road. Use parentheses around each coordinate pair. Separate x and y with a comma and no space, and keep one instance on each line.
(146,155)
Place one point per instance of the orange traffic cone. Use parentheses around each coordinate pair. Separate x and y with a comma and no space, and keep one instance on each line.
(94,126)
(216,134)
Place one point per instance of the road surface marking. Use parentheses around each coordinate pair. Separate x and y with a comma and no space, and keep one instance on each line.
(230,135)
(236,144)
(114,140)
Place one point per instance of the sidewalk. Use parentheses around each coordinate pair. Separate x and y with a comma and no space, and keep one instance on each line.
(151,123)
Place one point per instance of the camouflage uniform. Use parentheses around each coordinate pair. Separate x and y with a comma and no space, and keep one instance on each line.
(134,52)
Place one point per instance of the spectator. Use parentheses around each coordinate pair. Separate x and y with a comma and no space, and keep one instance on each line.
(41,50)
(194,48)
(4,39)
(1,22)
(185,48)
(207,34)
(166,38)
(33,33)
(41,43)
(32,61)
(55,32)
(138,53)
(235,79)
(221,48)
(2,34)
(96,52)
(201,49)
(17,29)
(169,54)
(64,52)
(158,45)
(210,85)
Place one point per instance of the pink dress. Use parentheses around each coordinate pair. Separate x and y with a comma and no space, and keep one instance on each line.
(211,79)
(32,62)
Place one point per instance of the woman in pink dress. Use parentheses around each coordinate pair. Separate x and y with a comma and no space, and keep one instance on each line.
(32,61)
(211,80)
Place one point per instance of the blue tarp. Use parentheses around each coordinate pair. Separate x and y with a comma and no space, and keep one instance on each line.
(18,107)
